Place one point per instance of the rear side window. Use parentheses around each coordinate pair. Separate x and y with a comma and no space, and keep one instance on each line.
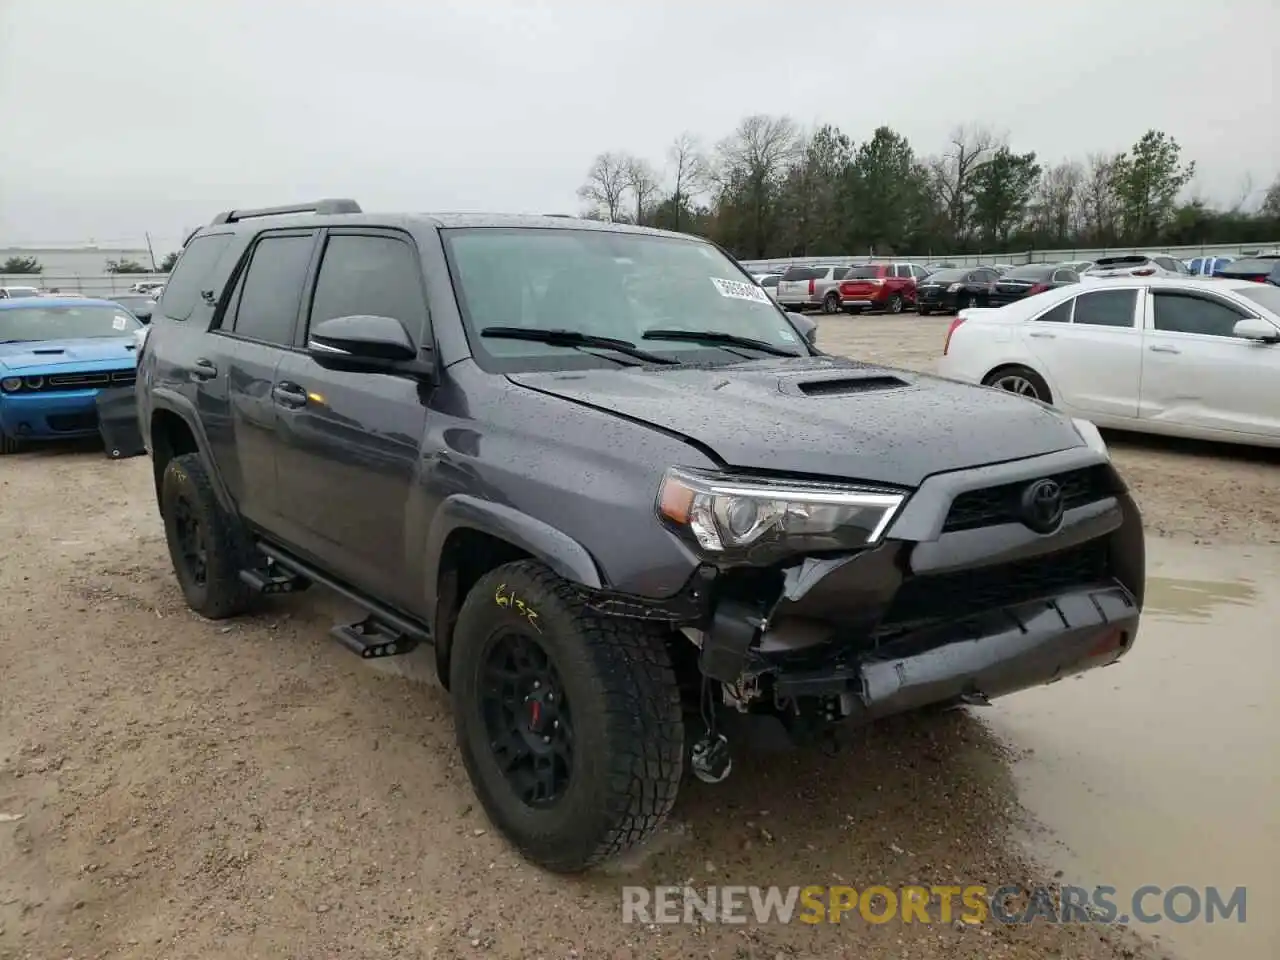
(1059,314)
(867,272)
(838,273)
(800,273)
(271,291)
(1106,308)
(378,276)
(769,282)
(1187,313)
(193,273)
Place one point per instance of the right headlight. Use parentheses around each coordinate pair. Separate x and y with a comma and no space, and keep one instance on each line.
(762,518)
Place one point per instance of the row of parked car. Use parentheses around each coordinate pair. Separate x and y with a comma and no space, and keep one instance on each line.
(895,286)
(140,299)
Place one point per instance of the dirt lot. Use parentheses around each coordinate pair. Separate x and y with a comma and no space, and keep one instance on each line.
(189,789)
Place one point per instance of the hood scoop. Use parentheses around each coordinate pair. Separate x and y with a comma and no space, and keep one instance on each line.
(842,386)
(49,351)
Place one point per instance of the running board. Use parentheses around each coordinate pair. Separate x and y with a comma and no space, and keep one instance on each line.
(371,638)
(275,579)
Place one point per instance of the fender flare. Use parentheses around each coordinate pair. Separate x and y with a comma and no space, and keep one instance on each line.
(180,406)
(564,555)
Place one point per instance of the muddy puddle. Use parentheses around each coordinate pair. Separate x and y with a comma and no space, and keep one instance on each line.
(1165,769)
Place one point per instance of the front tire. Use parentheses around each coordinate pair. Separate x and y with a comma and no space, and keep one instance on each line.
(207,546)
(569,723)
(1023,381)
(9,445)
(831,303)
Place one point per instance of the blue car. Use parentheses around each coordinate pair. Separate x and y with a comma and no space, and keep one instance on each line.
(55,355)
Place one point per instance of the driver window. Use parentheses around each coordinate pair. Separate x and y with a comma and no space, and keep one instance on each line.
(1188,313)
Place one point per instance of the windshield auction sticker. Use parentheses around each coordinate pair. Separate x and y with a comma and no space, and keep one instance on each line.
(738,290)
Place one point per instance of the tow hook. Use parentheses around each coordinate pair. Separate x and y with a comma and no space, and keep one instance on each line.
(710,758)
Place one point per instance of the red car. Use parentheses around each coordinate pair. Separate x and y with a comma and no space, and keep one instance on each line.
(888,285)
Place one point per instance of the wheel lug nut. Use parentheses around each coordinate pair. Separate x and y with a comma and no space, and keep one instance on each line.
(546,739)
(537,684)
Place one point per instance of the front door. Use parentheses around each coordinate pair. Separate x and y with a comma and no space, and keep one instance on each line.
(1195,371)
(348,456)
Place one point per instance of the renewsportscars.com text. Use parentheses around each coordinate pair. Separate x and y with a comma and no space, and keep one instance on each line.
(972,904)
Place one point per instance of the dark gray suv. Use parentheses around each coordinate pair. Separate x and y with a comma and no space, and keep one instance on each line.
(619,491)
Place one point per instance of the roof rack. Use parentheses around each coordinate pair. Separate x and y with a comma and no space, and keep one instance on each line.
(319,207)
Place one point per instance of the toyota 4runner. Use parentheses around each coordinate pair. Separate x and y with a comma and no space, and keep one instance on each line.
(618,490)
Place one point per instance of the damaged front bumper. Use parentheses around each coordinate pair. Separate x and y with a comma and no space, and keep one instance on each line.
(960,616)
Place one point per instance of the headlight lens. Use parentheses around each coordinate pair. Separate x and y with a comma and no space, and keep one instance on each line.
(954,288)
(10,384)
(731,516)
(34,383)
(1092,438)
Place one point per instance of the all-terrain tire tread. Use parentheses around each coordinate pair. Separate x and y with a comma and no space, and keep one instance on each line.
(226,595)
(644,714)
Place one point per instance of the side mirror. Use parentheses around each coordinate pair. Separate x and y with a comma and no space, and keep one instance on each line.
(374,344)
(808,328)
(1255,328)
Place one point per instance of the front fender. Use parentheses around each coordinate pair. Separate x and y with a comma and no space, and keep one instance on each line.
(568,558)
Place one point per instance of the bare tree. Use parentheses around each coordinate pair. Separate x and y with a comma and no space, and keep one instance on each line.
(1244,194)
(642,181)
(1099,207)
(607,181)
(1057,203)
(968,148)
(689,171)
(753,162)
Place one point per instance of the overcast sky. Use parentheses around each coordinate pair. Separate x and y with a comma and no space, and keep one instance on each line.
(124,116)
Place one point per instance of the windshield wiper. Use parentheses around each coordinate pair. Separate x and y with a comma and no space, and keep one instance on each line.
(717,338)
(572,338)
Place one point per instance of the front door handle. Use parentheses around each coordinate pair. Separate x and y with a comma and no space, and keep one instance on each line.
(1158,349)
(203,369)
(289,395)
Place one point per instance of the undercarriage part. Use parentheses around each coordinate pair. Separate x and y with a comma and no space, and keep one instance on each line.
(372,638)
(710,759)
(726,645)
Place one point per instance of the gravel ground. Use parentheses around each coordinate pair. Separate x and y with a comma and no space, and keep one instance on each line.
(177,788)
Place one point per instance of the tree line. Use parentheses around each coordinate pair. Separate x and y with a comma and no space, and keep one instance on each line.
(772,189)
(31,266)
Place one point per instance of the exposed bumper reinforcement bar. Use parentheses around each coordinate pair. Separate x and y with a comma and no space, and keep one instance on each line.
(981,658)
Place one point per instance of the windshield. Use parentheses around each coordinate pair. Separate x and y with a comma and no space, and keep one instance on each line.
(1263,294)
(1035,271)
(948,276)
(65,323)
(605,284)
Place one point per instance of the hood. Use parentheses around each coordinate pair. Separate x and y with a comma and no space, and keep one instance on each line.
(823,416)
(91,353)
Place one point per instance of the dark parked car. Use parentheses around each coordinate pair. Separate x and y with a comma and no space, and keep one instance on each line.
(139,304)
(954,289)
(1264,268)
(1029,280)
(613,506)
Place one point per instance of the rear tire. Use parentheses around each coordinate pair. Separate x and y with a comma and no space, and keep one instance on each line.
(831,303)
(613,774)
(895,304)
(1023,381)
(207,546)
(924,311)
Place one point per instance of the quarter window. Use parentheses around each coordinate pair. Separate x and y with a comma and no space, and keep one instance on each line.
(267,306)
(1059,314)
(1106,308)
(1188,313)
(379,276)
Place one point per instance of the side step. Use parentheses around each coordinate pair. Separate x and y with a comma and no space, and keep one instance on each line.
(372,637)
(275,579)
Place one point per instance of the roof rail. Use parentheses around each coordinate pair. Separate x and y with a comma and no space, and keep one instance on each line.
(319,207)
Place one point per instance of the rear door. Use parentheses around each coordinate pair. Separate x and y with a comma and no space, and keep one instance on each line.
(254,334)
(1091,347)
(349,441)
(1195,371)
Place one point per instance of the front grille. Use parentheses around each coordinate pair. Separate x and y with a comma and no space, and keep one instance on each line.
(995,505)
(953,596)
(98,378)
(930,293)
(73,422)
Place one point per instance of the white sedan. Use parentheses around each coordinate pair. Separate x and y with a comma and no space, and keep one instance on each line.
(1185,357)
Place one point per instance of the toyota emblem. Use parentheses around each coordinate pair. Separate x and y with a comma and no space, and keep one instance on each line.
(1042,506)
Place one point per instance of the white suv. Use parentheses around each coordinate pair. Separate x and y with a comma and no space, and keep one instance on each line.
(1138,265)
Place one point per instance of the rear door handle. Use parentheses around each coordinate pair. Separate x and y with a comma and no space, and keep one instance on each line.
(203,369)
(1158,349)
(289,395)
(1040,334)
